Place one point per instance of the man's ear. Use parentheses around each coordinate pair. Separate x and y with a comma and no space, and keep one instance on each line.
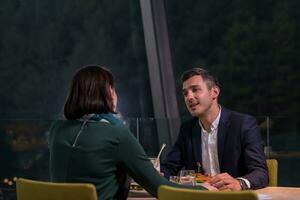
(215,91)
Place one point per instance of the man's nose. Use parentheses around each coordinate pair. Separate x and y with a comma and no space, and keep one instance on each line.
(189,96)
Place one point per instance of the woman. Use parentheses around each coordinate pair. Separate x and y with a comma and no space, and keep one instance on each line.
(93,145)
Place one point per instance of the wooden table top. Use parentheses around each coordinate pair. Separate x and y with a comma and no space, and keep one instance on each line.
(281,193)
(270,193)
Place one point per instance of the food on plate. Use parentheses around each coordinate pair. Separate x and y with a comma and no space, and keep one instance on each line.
(200,178)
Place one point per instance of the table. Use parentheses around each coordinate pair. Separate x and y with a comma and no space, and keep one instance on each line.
(276,193)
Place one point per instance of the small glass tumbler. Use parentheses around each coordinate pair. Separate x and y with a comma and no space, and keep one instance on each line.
(156,163)
(174,179)
(187,177)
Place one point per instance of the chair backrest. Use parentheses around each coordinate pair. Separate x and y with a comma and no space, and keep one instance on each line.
(273,171)
(40,190)
(167,193)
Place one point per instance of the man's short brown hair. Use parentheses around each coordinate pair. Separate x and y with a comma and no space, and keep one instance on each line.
(210,79)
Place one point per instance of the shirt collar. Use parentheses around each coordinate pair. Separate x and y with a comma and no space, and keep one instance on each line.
(214,125)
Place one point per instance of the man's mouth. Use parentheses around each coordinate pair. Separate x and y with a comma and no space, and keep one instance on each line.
(193,105)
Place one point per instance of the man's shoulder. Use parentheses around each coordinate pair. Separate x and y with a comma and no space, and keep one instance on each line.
(186,128)
(190,122)
(236,119)
(235,115)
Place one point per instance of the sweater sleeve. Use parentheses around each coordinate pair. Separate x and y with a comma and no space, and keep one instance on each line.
(139,167)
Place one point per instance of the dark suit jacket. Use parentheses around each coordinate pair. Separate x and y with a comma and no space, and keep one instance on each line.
(240,148)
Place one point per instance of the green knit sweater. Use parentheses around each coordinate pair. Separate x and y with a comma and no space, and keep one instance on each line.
(101,152)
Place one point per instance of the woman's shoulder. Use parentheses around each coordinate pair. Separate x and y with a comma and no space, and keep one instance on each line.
(61,123)
(109,129)
(107,125)
(58,125)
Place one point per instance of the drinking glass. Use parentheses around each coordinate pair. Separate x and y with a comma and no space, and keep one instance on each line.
(187,177)
(155,163)
(174,179)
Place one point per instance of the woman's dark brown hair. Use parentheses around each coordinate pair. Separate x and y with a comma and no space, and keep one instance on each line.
(90,92)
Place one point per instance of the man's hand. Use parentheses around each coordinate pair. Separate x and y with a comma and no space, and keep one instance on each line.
(209,186)
(225,182)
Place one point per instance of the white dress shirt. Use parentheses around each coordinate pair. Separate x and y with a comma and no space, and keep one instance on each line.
(209,143)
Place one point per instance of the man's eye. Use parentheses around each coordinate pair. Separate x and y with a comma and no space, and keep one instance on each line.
(195,90)
(184,93)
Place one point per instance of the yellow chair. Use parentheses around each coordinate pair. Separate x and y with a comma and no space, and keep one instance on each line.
(273,171)
(40,190)
(172,193)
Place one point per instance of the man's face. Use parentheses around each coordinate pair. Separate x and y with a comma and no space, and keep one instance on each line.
(198,98)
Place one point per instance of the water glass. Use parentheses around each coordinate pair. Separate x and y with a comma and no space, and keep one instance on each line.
(187,177)
(156,163)
(174,179)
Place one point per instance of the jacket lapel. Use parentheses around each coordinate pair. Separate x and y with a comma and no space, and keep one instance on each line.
(196,143)
(222,132)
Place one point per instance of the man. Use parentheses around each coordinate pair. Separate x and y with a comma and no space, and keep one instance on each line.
(217,141)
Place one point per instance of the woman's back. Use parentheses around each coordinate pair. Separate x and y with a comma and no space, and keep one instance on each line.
(101,155)
(94,158)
